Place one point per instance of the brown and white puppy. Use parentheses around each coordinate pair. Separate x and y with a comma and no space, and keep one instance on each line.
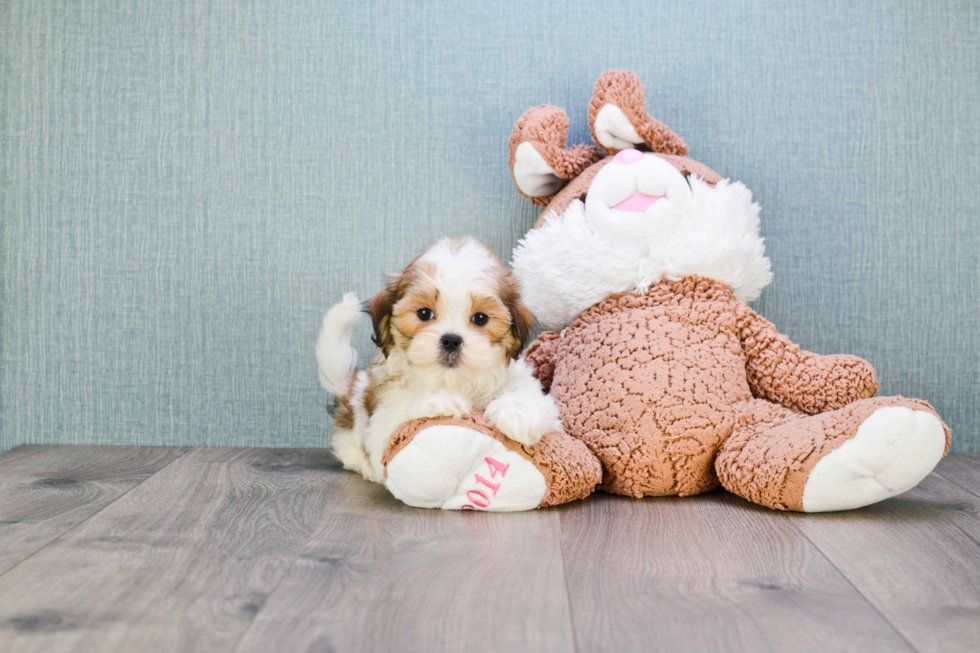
(449,329)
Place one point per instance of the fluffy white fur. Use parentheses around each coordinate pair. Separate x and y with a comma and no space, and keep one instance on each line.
(568,265)
(510,397)
(410,385)
(335,358)
(892,451)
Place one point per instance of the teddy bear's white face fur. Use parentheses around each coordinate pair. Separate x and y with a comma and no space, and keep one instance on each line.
(637,199)
(642,222)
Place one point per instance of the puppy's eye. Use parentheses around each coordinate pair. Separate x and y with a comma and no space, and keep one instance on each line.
(425,314)
(479,319)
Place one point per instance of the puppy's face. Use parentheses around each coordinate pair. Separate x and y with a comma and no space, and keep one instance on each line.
(454,312)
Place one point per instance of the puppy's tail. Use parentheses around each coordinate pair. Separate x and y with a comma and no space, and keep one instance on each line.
(335,357)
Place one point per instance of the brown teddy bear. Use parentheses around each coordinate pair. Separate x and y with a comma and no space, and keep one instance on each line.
(641,263)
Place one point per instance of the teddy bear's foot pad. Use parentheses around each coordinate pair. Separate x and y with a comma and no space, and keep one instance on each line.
(458,468)
(894,448)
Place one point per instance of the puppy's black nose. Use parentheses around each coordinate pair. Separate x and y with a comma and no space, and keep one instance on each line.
(451,343)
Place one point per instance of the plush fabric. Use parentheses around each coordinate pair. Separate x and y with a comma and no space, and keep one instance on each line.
(772,450)
(570,471)
(781,372)
(622,89)
(672,381)
(565,268)
(546,129)
(658,383)
(649,382)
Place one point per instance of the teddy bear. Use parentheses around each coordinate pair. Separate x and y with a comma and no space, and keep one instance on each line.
(641,266)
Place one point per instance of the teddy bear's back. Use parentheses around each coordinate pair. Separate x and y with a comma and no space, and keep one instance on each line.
(649,383)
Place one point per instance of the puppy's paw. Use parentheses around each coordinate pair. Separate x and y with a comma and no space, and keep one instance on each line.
(523,416)
(439,404)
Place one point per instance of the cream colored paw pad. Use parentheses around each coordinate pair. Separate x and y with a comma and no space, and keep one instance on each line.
(893,449)
(457,468)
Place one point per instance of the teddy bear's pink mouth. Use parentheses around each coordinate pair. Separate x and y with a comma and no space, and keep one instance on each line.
(637,203)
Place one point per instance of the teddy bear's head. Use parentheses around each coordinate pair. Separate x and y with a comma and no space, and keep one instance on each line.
(621,222)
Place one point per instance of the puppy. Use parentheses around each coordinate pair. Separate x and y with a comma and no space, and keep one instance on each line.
(449,330)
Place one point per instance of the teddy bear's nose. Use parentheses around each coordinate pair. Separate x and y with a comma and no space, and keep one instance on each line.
(626,157)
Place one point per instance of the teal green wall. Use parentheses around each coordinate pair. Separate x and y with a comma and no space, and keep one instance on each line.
(186,185)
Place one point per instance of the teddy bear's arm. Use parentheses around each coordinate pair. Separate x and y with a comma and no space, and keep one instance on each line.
(781,372)
(540,356)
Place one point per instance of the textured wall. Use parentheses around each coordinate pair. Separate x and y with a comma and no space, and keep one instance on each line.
(186,185)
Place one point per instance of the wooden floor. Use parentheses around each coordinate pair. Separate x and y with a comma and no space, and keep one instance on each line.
(155,549)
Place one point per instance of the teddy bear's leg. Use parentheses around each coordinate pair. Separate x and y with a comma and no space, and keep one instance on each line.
(464,463)
(865,452)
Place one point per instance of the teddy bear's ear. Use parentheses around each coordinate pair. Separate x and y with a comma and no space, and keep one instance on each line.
(539,161)
(619,120)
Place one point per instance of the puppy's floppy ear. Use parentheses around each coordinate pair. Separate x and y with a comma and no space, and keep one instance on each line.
(521,318)
(379,308)
(523,322)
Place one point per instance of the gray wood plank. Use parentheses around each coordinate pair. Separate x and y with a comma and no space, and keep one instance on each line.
(381,576)
(47,490)
(707,573)
(962,469)
(916,558)
(181,563)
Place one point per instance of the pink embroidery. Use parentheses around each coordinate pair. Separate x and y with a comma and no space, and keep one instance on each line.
(477,497)
(492,486)
(496,466)
(485,499)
